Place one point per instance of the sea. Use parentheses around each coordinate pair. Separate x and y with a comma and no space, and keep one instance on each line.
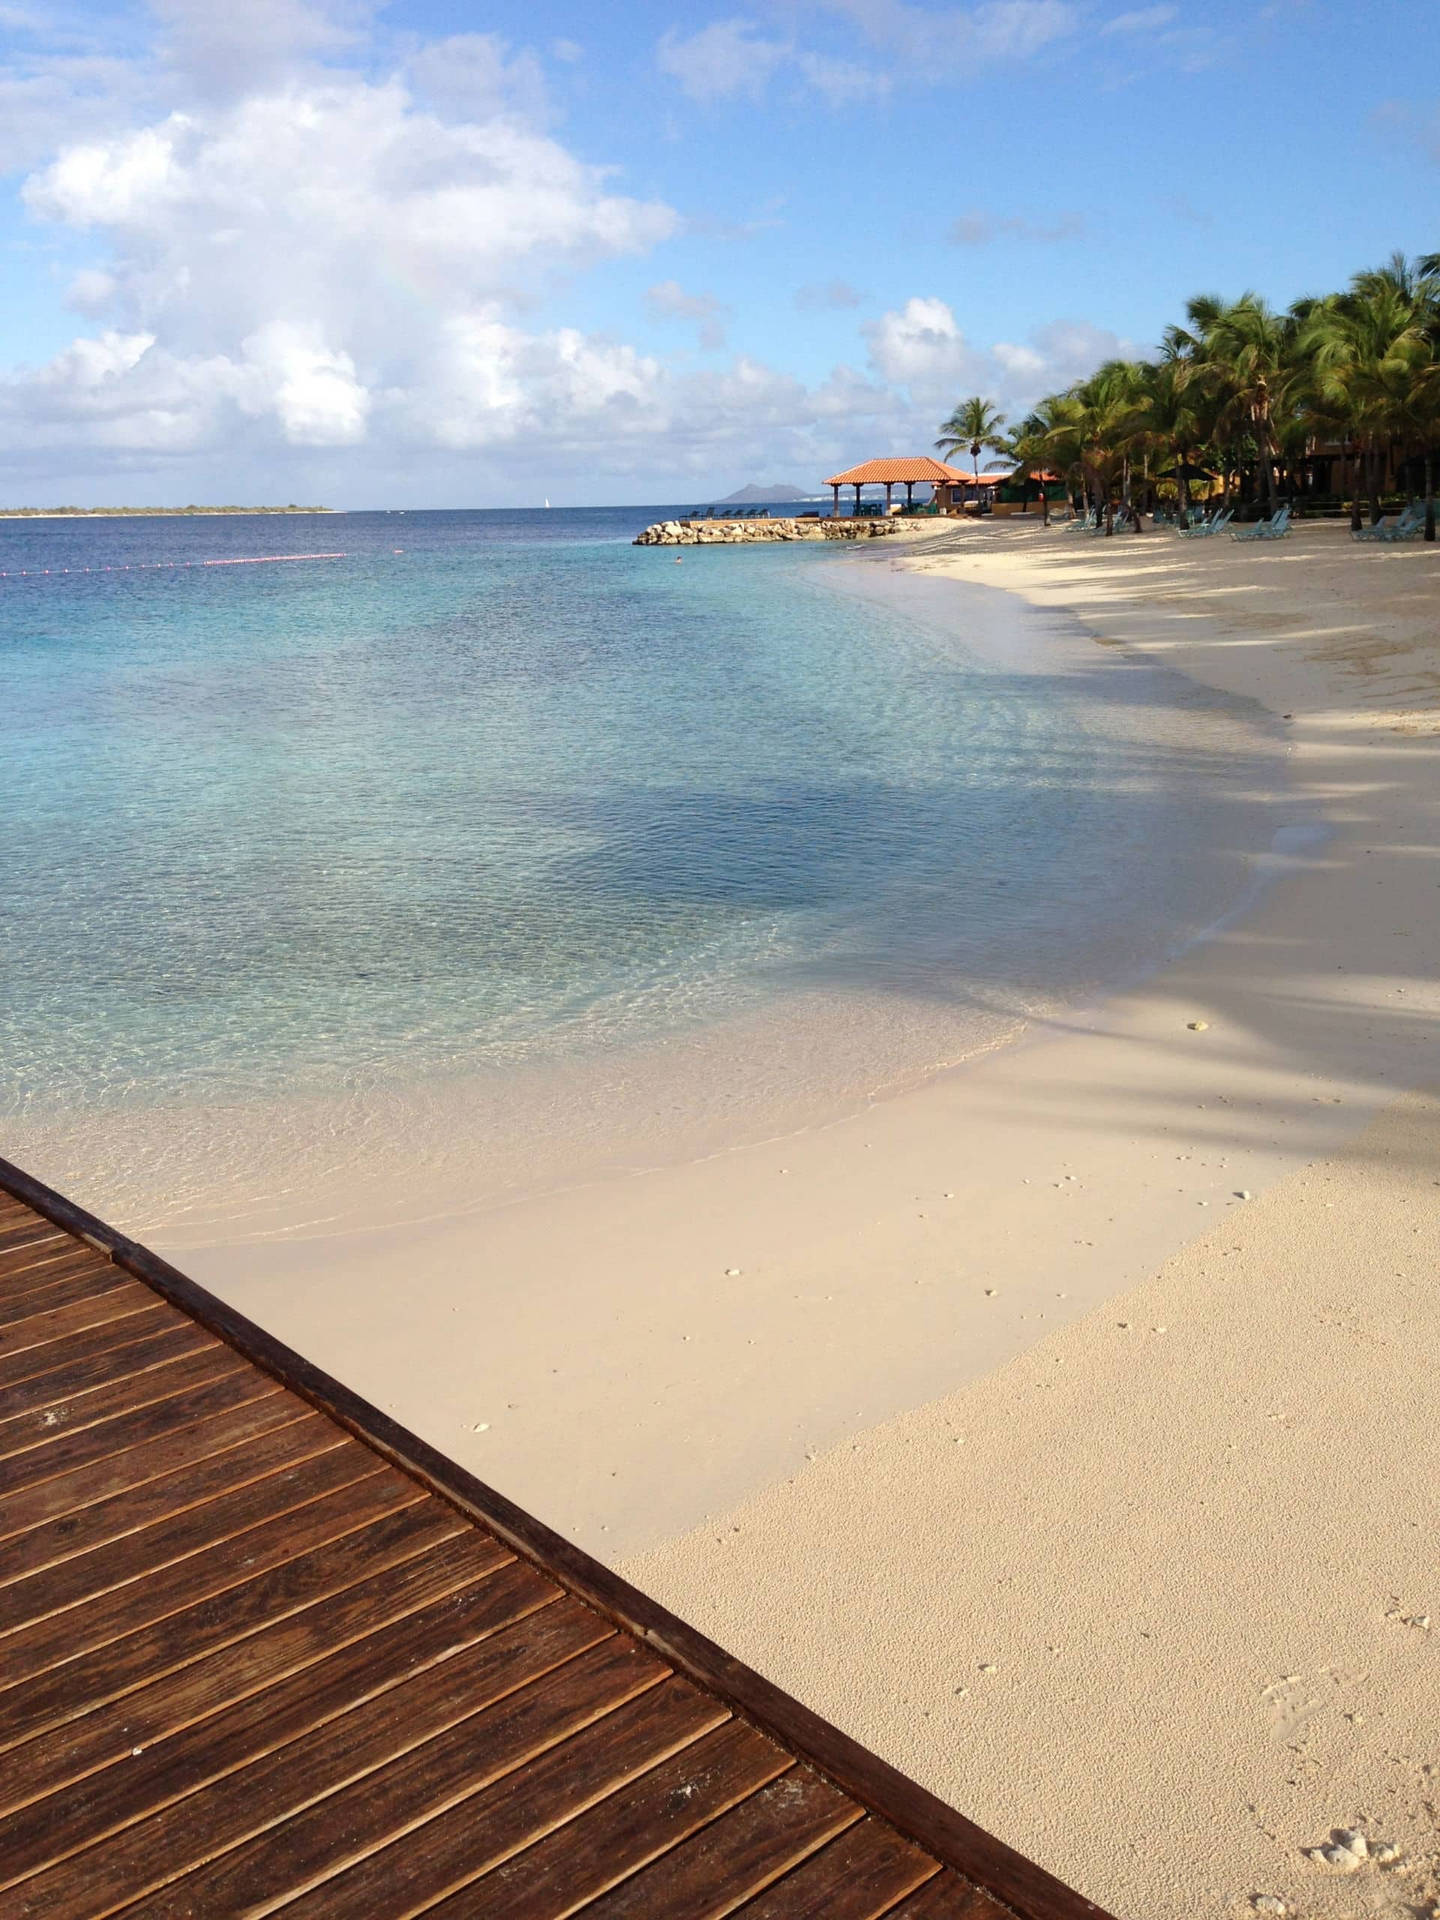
(487,845)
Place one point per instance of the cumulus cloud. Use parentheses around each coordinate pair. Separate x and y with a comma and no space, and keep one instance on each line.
(302,255)
(311,265)
(922,348)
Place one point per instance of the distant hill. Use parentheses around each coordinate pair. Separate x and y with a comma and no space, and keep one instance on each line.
(754,495)
(140,513)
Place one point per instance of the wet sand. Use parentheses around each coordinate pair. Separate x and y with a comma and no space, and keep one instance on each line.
(1158,1599)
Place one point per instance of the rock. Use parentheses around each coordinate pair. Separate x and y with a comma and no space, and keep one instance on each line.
(1268,1903)
(1243,1193)
(1198,1026)
(1342,1859)
(1384,1853)
(1352,1839)
(732,1273)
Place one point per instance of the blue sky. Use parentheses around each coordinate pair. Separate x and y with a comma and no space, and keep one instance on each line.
(434,253)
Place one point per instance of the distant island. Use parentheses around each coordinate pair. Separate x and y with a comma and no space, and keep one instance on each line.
(152,513)
(754,495)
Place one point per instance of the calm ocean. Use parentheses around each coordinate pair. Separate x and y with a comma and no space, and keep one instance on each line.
(499,788)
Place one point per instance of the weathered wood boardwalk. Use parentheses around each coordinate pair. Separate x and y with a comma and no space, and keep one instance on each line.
(262,1650)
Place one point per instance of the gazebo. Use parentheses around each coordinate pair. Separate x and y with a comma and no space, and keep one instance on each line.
(893,473)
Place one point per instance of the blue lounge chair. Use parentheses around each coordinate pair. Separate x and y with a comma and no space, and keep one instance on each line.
(1207,529)
(1275,529)
(1410,523)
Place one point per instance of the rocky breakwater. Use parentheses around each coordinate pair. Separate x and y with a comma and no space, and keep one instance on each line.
(737,533)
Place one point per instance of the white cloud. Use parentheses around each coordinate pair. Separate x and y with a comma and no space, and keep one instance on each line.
(319,279)
(310,245)
(734,58)
(920,346)
(830,295)
(727,58)
(230,49)
(669,301)
(1142,20)
(980,229)
(473,76)
(940,42)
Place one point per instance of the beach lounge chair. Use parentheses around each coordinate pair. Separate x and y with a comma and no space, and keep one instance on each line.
(1412,528)
(1410,522)
(1206,529)
(1275,529)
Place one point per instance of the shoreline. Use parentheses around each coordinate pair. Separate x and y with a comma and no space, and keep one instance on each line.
(884,1256)
(440,1151)
(705,1368)
(1156,1593)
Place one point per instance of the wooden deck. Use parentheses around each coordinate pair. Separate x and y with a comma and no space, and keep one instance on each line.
(263,1650)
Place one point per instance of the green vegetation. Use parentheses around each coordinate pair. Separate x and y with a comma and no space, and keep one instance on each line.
(975,425)
(1259,403)
(100,513)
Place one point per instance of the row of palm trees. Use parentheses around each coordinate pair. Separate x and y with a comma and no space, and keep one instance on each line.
(1244,394)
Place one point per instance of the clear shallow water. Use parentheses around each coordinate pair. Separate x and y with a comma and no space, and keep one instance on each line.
(499,790)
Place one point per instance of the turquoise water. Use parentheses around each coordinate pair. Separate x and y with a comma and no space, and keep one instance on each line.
(497,789)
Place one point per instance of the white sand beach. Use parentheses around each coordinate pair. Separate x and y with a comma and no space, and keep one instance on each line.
(990,1418)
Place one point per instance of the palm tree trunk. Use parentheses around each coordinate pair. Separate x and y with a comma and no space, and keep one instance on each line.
(1372,485)
(1355,520)
(1429,496)
(1267,455)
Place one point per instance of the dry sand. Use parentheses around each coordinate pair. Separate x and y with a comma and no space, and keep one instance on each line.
(1159,1600)
(1225,1529)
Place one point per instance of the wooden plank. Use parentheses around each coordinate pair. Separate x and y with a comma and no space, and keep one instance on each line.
(736,1856)
(287,1809)
(59,1322)
(181,1436)
(407,1562)
(949,1897)
(1030,1892)
(94,1279)
(475,1834)
(98,1413)
(151,1777)
(857,1877)
(131,1529)
(26,1267)
(638,1822)
(104,1369)
(18,1367)
(65,1639)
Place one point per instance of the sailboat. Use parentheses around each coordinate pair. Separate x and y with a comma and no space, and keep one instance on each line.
(547,503)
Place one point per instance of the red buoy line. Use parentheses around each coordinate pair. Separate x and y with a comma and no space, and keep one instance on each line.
(151,566)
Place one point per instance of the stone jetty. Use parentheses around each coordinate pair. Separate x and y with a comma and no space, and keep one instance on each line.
(735,533)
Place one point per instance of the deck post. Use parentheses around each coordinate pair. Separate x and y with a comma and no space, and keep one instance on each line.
(835,510)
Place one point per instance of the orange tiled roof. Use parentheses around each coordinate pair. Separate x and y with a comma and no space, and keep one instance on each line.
(871,472)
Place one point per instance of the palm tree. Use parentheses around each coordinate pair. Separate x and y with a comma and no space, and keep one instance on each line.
(1094,428)
(974,424)
(1252,354)
(1372,363)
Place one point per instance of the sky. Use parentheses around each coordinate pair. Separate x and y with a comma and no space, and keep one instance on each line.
(451,253)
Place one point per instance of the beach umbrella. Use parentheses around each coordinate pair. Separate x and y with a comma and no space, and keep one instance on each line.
(1187,472)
